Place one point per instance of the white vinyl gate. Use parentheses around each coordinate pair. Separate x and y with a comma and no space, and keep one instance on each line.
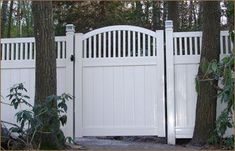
(118,81)
(121,85)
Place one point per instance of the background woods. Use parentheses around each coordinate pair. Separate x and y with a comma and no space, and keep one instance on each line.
(17,20)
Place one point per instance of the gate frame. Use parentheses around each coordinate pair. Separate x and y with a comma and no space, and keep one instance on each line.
(74,47)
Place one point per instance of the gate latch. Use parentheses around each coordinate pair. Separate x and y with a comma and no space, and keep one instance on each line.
(72,58)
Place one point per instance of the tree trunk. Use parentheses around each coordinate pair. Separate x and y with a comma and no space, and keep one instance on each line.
(10,20)
(4,17)
(190,20)
(46,68)
(206,101)
(46,53)
(200,15)
(19,16)
(156,17)
(173,14)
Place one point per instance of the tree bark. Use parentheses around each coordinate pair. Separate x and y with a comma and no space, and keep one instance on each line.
(156,17)
(3,17)
(46,53)
(46,71)
(190,20)
(173,14)
(10,20)
(206,101)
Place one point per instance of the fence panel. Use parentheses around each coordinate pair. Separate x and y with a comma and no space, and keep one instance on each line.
(186,57)
(18,66)
(122,80)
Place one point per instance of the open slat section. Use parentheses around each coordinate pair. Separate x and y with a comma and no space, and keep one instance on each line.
(24,48)
(189,43)
(119,42)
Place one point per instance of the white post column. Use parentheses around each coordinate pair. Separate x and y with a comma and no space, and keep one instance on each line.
(70,29)
(78,84)
(170,82)
(161,83)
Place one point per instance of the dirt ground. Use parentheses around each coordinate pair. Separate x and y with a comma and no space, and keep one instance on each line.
(130,143)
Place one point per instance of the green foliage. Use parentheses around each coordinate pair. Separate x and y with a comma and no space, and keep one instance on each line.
(222,71)
(38,121)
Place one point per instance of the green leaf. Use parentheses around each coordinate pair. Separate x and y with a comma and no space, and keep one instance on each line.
(214,67)
(15,129)
(63,119)
(69,140)
(63,106)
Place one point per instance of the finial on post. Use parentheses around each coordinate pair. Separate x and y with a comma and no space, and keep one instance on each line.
(70,28)
(168,24)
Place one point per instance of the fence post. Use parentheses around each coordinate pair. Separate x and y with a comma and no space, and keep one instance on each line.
(78,84)
(70,29)
(170,82)
(161,79)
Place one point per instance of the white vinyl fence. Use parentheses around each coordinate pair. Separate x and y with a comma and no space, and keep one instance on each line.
(119,79)
(182,60)
(18,66)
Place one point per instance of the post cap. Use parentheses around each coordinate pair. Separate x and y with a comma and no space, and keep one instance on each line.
(70,28)
(168,24)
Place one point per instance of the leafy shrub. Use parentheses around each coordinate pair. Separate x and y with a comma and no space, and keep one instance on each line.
(224,72)
(36,122)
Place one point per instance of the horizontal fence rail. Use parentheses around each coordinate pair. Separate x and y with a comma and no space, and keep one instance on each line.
(15,49)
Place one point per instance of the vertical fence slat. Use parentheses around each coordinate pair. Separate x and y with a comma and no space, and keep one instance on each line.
(154,46)
(104,44)
(149,45)
(99,45)
(221,45)
(200,47)
(109,44)
(85,49)
(191,45)
(124,44)
(12,51)
(144,47)
(180,46)
(63,50)
(21,51)
(58,50)
(114,44)
(175,46)
(26,51)
(30,51)
(7,51)
(3,51)
(119,43)
(94,47)
(129,43)
(138,54)
(17,51)
(186,45)
(89,48)
(226,44)
(195,45)
(134,46)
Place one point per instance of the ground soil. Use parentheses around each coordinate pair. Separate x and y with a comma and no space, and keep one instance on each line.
(132,143)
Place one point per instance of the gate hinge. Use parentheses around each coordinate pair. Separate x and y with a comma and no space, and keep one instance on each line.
(72,58)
